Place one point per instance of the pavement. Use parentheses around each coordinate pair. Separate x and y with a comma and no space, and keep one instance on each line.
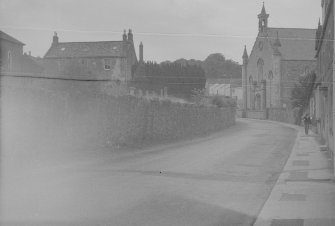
(304,194)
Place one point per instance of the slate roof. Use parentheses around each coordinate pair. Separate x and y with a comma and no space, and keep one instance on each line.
(9,38)
(86,49)
(296,43)
(236,82)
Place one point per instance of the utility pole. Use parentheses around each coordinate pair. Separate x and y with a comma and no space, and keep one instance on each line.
(230,87)
(333,97)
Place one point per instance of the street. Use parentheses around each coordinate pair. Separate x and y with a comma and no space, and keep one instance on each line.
(223,179)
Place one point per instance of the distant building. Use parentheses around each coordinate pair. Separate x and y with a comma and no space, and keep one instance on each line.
(12,59)
(278,58)
(105,59)
(224,87)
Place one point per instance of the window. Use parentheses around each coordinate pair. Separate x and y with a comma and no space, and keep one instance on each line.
(9,61)
(107,63)
(260,65)
(85,62)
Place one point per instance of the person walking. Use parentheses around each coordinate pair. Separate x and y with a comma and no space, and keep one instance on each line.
(307,122)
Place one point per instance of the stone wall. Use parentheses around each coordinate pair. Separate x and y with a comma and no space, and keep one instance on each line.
(283,115)
(39,114)
(256,114)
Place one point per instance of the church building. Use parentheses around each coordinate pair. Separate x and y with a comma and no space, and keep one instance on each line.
(278,58)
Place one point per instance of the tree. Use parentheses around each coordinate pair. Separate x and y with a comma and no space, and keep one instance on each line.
(217,66)
(214,65)
(179,79)
(302,92)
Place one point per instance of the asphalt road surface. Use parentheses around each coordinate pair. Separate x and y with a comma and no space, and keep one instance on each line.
(223,179)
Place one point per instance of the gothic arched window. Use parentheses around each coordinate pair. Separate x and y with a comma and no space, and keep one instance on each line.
(270,75)
(260,66)
(250,80)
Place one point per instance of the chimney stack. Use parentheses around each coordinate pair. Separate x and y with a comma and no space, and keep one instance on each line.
(130,35)
(124,36)
(55,39)
(141,52)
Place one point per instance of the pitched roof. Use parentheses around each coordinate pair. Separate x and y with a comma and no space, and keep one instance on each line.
(9,38)
(233,81)
(296,43)
(86,49)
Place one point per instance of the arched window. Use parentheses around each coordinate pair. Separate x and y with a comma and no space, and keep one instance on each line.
(9,61)
(258,102)
(251,81)
(260,65)
(270,75)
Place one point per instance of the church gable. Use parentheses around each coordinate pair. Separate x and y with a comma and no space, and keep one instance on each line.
(260,60)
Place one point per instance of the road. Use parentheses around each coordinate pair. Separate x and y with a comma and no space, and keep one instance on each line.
(223,179)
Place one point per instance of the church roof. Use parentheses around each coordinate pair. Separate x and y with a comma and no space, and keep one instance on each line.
(9,38)
(86,49)
(296,43)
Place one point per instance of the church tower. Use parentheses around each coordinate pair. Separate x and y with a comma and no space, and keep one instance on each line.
(263,20)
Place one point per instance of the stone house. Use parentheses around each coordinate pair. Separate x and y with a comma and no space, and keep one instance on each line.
(110,60)
(278,58)
(12,59)
(322,102)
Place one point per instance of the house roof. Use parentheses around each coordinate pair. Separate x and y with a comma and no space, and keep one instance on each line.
(86,49)
(9,38)
(296,43)
(234,81)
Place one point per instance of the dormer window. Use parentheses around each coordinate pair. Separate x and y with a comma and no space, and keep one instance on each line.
(107,64)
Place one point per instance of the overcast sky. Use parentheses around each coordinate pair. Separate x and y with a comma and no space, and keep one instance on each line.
(169,29)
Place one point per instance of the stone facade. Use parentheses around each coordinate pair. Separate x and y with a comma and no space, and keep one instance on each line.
(12,58)
(11,51)
(278,58)
(322,103)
